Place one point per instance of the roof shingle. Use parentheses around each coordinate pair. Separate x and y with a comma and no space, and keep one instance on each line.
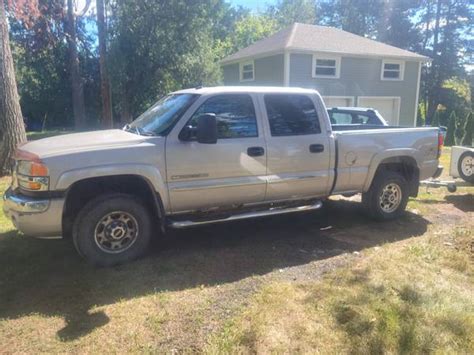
(323,39)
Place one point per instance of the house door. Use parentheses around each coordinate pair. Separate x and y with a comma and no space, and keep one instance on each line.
(338,101)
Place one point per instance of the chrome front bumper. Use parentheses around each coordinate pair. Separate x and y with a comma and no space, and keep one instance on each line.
(36,217)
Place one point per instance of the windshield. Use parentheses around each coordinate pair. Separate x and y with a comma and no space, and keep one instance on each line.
(161,117)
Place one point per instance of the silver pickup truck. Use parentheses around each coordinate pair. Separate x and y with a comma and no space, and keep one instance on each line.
(209,155)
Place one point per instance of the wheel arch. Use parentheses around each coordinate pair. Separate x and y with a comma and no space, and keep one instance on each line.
(83,191)
(405,164)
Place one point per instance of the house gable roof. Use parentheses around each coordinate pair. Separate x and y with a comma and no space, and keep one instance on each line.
(312,38)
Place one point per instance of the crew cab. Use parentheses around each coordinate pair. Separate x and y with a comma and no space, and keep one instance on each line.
(209,155)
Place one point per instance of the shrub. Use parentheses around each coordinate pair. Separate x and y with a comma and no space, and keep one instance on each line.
(435,122)
(468,130)
(420,118)
(450,135)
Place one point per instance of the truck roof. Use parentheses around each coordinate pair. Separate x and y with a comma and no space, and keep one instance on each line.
(245,89)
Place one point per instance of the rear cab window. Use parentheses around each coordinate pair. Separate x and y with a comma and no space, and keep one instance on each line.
(350,118)
(291,115)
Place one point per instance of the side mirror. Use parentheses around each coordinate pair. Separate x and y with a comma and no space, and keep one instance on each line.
(187,133)
(207,129)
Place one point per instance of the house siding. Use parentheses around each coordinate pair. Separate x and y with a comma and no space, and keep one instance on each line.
(360,77)
(268,72)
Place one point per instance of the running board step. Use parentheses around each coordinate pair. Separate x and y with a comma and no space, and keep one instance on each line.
(237,217)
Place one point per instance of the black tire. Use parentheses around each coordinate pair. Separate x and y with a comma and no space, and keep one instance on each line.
(372,198)
(466,177)
(105,215)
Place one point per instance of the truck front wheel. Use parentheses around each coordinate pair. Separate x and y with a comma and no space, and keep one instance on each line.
(112,229)
(387,197)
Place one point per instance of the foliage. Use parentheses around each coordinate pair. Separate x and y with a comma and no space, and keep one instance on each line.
(154,47)
(468,130)
(247,30)
(420,117)
(450,134)
(436,121)
(455,94)
(356,16)
(287,12)
(159,47)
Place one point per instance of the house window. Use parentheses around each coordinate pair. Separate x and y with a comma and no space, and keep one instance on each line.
(326,67)
(247,71)
(392,70)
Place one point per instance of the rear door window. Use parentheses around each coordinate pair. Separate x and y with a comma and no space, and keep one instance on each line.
(291,115)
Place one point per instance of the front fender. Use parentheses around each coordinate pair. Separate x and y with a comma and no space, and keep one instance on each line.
(386,154)
(149,172)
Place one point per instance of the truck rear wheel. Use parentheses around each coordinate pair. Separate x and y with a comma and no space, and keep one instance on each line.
(112,229)
(387,197)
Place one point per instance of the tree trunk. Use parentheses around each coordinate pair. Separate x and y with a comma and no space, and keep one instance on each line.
(107,119)
(435,82)
(12,129)
(76,80)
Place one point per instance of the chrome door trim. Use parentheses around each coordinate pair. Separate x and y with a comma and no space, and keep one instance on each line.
(211,184)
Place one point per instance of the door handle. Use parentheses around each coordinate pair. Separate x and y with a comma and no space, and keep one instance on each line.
(255,151)
(316,148)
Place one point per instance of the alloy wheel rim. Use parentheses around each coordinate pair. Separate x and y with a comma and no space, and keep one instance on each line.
(467,166)
(390,198)
(116,232)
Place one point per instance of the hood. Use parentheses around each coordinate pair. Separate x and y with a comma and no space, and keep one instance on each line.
(81,141)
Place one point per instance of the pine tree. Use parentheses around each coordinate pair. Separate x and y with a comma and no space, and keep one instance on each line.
(420,120)
(468,130)
(450,137)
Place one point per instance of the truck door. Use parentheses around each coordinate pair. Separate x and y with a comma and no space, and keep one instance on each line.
(230,172)
(298,150)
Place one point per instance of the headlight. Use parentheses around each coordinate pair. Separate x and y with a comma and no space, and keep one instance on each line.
(32,175)
(32,168)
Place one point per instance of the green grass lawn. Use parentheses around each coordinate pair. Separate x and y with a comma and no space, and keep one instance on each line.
(5,224)
(282,285)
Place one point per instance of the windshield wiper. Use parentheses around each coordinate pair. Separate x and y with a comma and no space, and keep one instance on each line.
(144,132)
(138,130)
(129,128)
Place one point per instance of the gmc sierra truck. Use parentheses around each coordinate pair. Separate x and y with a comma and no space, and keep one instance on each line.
(209,155)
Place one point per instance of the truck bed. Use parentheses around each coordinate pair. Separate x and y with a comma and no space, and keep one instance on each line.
(358,152)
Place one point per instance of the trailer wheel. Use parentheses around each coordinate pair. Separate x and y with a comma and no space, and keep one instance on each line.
(466,167)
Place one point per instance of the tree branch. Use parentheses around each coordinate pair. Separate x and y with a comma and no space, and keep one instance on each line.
(84,10)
